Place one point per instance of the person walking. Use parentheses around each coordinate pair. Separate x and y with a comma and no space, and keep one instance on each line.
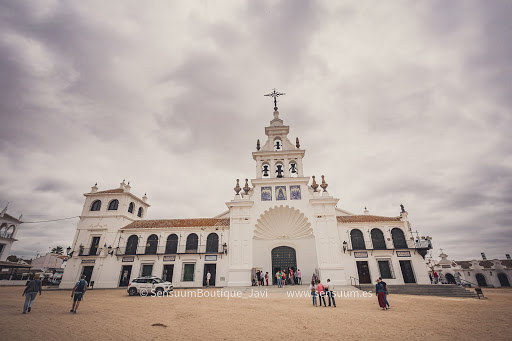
(266,277)
(436,278)
(78,293)
(30,293)
(258,279)
(321,292)
(381,288)
(208,276)
(299,278)
(329,288)
(291,277)
(262,279)
(312,289)
(283,277)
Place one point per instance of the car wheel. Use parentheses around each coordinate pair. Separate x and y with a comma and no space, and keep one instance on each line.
(159,291)
(132,292)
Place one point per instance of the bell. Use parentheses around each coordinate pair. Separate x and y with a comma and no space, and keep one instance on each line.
(279,171)
(292,168)
(265,170)
(278,145)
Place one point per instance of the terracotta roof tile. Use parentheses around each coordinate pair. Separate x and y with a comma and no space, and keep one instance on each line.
(465,264)
(177,223)
(364,219)
(116,190)
(507,263)
(486,264)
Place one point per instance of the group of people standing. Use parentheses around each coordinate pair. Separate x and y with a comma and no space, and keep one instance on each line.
(260,278)
(291,278)
(321,290)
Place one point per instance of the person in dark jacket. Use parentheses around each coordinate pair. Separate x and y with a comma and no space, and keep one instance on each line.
(30,293)
(381,289)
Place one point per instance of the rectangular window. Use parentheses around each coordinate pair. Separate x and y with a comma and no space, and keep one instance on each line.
(385,269)
(188,272)
(147,270)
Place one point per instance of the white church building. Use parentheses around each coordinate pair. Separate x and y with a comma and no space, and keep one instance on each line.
(280,219)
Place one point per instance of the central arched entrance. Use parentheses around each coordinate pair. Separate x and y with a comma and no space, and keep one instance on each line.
(283,258)
(450,279)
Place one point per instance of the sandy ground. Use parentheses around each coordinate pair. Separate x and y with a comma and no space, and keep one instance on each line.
(113,315)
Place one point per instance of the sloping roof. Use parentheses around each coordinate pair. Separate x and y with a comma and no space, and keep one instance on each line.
(7,264)
(364,218)
(486,264)
(11,217)
(169,223)
(117,190)
(507,263)
(465,264)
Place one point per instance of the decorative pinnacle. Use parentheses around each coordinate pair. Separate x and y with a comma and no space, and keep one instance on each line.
(246,187)
(237,187)
(258,145)
(297,144)
(275,94)
(324,184)
(314,185)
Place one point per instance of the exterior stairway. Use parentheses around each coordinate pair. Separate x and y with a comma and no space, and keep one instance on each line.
(444,290)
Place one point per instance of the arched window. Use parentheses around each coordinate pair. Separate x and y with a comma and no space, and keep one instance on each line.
(151,245)
(131,245)
(278,144)
(171,246)
(3,230)
(265,170)
(191,243)
(96,205)
(212,243)
(131,207)
(10,231)
(279,170)
(114,204)
(139,213)
(378,239)
(398,238)
(294,171)
(503,279)
(480,279)
(356,236)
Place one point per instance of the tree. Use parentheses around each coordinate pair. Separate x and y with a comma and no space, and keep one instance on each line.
(58,250)
(12,258)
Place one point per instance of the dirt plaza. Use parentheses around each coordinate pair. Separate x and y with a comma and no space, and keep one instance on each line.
(246,314)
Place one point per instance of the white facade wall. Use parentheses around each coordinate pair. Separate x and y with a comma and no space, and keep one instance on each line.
(308,224)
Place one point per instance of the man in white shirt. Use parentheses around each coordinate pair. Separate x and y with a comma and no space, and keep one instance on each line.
(329,288)
(208,276)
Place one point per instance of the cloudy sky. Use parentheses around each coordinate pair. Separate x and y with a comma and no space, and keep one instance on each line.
(394,102)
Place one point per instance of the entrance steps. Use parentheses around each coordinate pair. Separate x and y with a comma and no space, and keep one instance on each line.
(443,290)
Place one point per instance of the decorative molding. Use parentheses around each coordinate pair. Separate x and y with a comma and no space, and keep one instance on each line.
(282,222)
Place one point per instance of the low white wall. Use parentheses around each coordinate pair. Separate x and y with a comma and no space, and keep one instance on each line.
(6,282)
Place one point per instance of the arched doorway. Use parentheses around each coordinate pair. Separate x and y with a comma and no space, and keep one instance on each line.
(481,280)
(283,258)
(450,279)
(503,280)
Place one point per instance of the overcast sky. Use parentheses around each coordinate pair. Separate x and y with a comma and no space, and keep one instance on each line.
(394,101)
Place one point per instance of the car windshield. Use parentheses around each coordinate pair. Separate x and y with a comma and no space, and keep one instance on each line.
(158,280)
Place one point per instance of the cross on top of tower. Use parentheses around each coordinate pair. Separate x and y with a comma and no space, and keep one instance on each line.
(275,94)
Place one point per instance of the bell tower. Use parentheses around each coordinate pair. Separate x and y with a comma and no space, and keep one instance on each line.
(278,157)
